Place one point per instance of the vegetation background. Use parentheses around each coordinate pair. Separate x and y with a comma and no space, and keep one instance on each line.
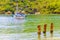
(31,6)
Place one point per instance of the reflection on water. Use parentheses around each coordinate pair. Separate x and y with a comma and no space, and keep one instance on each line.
(10,22)
(19,21)
(5,21)
(26,36)
(39,37)
(49,36)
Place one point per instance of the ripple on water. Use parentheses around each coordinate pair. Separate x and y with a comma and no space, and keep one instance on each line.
(10,20)
(25,36)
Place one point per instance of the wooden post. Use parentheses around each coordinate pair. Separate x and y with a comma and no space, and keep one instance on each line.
(45,25)
(39,29)
(51,28)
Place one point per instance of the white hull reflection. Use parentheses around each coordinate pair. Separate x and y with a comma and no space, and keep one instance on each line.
(11,20)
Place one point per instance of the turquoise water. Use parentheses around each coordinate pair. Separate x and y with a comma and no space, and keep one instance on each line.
(26,29)
(29,24)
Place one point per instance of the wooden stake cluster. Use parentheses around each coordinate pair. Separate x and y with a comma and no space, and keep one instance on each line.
(45,27)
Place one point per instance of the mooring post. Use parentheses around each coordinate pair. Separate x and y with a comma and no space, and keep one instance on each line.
(51,28)
(39,29)
(45,26)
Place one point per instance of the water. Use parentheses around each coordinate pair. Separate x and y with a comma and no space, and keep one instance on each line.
(10,23)
(11,29)
(27,36)
(9,20)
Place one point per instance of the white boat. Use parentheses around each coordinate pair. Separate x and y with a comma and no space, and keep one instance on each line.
(19,16)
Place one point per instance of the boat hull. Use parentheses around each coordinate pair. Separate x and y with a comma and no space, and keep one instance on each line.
(19,17)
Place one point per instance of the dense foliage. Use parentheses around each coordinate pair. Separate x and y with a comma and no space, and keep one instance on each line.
(31,6)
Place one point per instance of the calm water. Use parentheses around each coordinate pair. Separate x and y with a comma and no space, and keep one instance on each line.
(7,23)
